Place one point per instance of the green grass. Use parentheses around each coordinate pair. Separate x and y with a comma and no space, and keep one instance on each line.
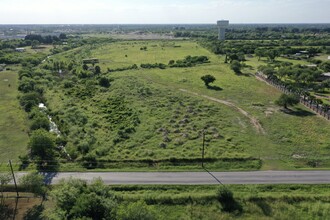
(13,129)
(171,120)
(258,201)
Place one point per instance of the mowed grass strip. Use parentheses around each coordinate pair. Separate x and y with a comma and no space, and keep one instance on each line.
(13,130)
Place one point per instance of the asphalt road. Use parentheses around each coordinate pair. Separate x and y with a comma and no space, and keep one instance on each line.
(197,178)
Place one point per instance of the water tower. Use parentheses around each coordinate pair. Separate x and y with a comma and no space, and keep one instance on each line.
(222,25)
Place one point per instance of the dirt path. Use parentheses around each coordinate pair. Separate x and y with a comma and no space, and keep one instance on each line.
(253,120)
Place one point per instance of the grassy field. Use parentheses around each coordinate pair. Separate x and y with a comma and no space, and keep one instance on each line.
(13,129)
(172,107)
(257,201)
(201,202)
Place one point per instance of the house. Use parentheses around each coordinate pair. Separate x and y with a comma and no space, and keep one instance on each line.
(328,57)
(20,49)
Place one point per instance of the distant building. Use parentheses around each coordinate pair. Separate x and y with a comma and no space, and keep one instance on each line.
(222,25)
(20,49)
(328,57)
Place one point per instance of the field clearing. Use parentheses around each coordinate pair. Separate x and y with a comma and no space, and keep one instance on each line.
(13,129)
(290,141)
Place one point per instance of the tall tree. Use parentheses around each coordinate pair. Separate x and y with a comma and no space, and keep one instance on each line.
(208,79)
(287,100)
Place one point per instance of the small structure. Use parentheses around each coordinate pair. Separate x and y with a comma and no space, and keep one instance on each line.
(222,25)
(90,61)
(20,49)
(328,57)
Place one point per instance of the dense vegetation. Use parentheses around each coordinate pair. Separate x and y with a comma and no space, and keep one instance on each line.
(75,199)
(142,104)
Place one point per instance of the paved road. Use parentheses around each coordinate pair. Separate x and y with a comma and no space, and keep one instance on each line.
(195,178)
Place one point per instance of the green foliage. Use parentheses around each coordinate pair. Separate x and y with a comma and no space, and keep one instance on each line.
(40,122)
(287,100)
(30,100)
(236,66)
(97,69)
(325,66)
(152,66)
(208,79)
(5,178)
(136,211)
(26,85)
(35,213)
(75,199)
(104,82)
(34,183)
(42,145)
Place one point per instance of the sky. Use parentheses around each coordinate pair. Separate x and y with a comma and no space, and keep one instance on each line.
(163,11)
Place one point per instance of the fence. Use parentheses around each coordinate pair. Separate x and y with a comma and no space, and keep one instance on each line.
(305,100)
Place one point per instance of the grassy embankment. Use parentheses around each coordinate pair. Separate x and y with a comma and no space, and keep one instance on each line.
(200,202)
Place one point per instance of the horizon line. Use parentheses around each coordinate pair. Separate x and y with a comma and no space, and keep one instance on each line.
(234,23)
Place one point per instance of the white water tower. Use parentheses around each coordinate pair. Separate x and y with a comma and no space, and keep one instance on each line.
(222,25)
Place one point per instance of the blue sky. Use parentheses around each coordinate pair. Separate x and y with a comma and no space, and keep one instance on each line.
(162,12)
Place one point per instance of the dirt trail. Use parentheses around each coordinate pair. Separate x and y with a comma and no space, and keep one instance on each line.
(253,120)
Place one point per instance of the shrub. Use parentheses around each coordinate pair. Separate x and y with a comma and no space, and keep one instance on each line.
(208,79)
(104,82)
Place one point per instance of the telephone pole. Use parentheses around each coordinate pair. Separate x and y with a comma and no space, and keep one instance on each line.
(12,171)
(203,149)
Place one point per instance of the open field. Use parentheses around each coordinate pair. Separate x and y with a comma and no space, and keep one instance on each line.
(165,118)
(13,130)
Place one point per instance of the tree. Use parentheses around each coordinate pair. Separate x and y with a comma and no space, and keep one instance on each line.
(236,66)
(97,70)
(104,82)
(40,122)
(34,183)
(5,178)
(325,66)
(287,100)
(260,52)
(42,145)
(74,199)
(29,100)
(208,79)
(272,54)
(85,67)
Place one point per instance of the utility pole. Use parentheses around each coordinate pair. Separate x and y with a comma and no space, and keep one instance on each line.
(203,149)
(12,171)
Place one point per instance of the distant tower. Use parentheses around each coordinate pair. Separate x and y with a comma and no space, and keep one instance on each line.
(222,25)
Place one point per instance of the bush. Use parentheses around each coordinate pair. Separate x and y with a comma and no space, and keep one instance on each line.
(104,82)
(208,79)
(40,122)
(30,100)
(287,100)
(136,211)
(236,66)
